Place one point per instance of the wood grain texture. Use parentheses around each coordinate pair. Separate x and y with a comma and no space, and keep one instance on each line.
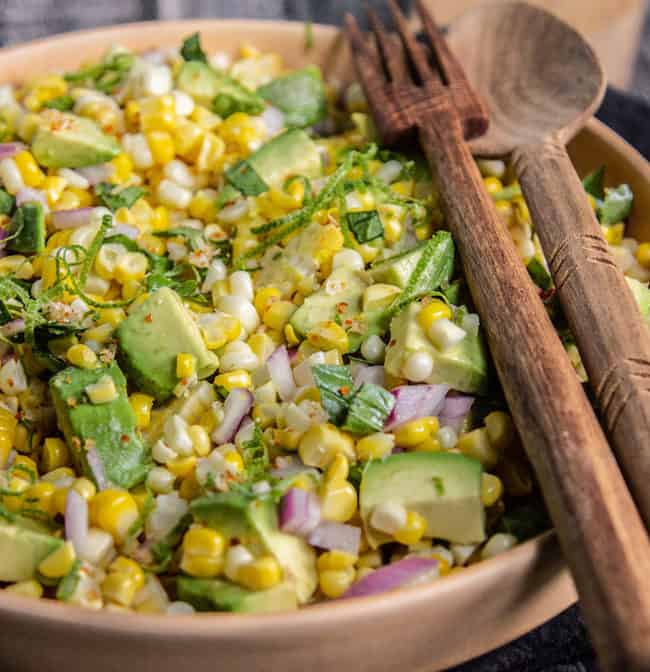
(600,530)
(540,88)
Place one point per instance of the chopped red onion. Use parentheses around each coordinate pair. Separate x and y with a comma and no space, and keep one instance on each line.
(273,120)
(369,374)
(293,355)
(395,575)
(279,367)
(125,230)
(299,512)
(415,401)
(71,219)
(97,468)
(28,195)
(12,328)
(9,149)
(234,212)
(238,404)
(336,537)
(76,519)
(454,410)
(97,173)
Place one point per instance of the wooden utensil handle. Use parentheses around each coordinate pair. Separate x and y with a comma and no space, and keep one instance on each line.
(599,528)
(613,341)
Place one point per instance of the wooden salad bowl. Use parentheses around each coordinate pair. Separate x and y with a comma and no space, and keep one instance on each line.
(423,628)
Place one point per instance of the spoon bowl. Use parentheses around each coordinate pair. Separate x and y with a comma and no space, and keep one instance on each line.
(536,75)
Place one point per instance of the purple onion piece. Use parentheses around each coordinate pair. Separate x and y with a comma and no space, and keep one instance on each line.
(390,577)
(336,536)
(76,519)
(9,149)
(238,404)
(97,173)
(415,401)
(125,230)
(456,405)
(279,367)
(71,219)
(29,195)
(299,512)
(97,468)
(13,328)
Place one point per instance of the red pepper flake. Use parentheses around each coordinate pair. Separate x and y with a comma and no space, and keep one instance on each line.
(11,382)
(392,342)
(124,438)
(348,322)
(148,317)
(344,390)
(340,307)
(71,401)
(76,442)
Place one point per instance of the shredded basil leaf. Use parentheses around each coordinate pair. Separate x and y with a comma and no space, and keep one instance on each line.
(539,274)
(594,183)
(365,226)
(616,206)
(115,198)
(61,103)
(336,389)
(244,177)
(192,50)
(368,410)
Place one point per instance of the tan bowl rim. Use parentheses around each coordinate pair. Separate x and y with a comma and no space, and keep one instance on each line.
(337,612)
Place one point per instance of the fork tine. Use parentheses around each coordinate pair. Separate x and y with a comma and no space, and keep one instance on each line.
(362,51)
(450,68)
(411,46)
(390,50)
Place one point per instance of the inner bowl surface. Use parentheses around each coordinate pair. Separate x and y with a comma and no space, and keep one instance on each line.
(424,628)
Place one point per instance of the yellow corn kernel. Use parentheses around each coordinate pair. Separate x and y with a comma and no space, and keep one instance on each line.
(210,152)
(403,187)
(30,588)
(371,560)
(327,336)
(67,201)
(500,430)
(413,531)
(491,489)
(122,165)
(123,580)
(58,500)
(335,560)
(85,487)
(374,446)
(18,265)
(185,365)
(28,126)
(182,467)
(12,499)
(130,290)
(100,334)
(410,434)
(161,146)
(492,184)
(476,444)
(613,234)
(187,139)
(233,458)
(643,255)
(277,314)
(141,405)
(203,206)
(433,311)
(131,266)
(393,229)
(58,474)
(114,511)
(112,316)
(296,190)
(338,469)
(232,379)
(53,187)
(219,332)
(25,468)
(32,175)
(290,335)
(21,440)
(58,563)
(8,427)
(240,130)
(81,356)
(338,500)
(505,211)
(320,444)
(200,440)
(265,297)
(288,439)
(39,497)
(333,583)
(203,551)
(429,445)
(261,574)
(160,218)
(204,118)
(85,198)
(190,488)
(55,454)
(103,391)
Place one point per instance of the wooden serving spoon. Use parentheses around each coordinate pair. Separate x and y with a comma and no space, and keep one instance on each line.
(541,82)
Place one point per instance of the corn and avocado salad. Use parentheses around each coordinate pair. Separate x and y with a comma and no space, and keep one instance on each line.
(240,368)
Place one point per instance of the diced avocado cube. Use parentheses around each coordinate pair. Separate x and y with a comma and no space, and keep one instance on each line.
(339,298)
(444,488)
(24,544)
(300,95)
(641,294)
(64,140)
(464,366)
(151,338)
(28,229)
(217,595)
(397,270)
(290,153)
(255,521)
(110,427)
(217,91)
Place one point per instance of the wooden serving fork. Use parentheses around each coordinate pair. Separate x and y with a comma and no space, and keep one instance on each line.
(600,530)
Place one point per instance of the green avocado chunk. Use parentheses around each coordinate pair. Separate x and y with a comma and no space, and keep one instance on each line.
(153,335)
(254,522)
(641,294)
(24,544)
(64,140)
(464,366)
(445,488)
(109,427)
(397,270)
(217,595)
(340,297)
(217,91)
(28,227)
(299,95)
(290,153)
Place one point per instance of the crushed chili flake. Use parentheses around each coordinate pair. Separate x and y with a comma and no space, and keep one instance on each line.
(124,438)
(391,342)
(76,442)
(340,307)
(148,317)
(344,390)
